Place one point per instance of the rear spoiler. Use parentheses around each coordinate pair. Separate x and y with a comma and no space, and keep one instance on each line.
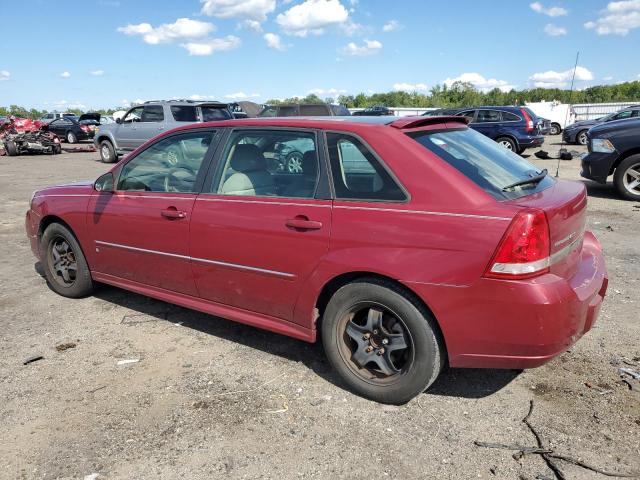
(415,122)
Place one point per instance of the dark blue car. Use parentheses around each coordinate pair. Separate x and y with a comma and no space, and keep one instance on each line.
(515,128)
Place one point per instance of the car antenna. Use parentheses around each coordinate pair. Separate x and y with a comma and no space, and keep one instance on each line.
(566,115)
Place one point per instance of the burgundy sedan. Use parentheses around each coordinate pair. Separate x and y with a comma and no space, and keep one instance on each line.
(406,244)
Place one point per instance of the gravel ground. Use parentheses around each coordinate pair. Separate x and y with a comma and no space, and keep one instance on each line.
(209,398)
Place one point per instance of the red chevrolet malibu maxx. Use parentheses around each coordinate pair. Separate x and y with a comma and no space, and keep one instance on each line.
(405,243)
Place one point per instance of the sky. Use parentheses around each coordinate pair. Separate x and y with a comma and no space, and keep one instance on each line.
(109,53)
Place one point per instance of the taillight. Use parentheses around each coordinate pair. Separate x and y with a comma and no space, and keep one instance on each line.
(528,121)
(84,128)
(524,251)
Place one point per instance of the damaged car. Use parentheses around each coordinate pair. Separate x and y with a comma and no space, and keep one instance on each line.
(19,136)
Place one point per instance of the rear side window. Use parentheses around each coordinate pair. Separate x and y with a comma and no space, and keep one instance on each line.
(357,174)
(314,110)
(467,113)
(152,113)
(484,162)
(291,111)
(486,116)
(510,117)
(339,110)
(210,114)
(184,113)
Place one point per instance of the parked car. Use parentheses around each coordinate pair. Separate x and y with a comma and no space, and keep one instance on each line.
(49,117)
(560,114)
(93,120)
(304,110)
(543,124)
(577,132)
(144,122)
(376,111)
(363,247)
(515,128)
(614,149)
(69,129)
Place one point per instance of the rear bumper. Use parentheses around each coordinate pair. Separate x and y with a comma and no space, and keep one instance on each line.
(519,324)
(531,141)
(596,166)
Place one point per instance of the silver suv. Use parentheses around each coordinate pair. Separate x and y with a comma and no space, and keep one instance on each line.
(143,122)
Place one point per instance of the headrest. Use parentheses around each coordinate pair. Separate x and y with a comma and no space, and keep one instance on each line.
(247,158)
(310,163)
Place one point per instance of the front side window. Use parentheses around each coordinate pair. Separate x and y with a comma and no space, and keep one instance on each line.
(357,174)
(622,115)
(482,161)
(269,163)
(133,115)
(170,165)
(152,113)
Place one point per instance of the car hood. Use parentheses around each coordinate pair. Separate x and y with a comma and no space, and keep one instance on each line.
(616,126)
(584,123)
(76,188)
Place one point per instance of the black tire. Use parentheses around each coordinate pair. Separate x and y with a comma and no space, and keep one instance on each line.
(581,137)
(11,148)
(556,129)
(71,137)
(107,152)
(623,180)
(520,150)
(73,285)
(507,143)
(57,149)
(420,362)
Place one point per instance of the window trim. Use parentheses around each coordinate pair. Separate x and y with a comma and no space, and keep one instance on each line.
(215,174)
(383,164)
(202,173)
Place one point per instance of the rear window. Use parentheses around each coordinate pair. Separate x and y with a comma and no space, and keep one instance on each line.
(184,113)
(484,162)
(209,114)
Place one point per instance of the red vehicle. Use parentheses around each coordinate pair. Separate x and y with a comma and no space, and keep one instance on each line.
(405,244)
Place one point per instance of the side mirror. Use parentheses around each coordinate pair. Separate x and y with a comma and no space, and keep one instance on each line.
(104,183)
(119,120)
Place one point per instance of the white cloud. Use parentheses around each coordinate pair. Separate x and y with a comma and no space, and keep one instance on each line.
(391,26)
(351,28)
(252,9)
(182,28)
(410,87)
(65,74)
(480,82)
(609,78)
(4,75)
(96,73)
(312,16)
(369,47)
(331,92)
(63,105)
(253,25)
(274,41)
(554,30)
(553,79)
(619,18)
(212,45)
(549,11)
(241,96)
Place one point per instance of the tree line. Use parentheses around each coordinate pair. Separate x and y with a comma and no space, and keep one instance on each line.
(459,94)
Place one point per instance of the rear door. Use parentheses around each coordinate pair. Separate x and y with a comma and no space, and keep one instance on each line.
(258,231)
(141,231)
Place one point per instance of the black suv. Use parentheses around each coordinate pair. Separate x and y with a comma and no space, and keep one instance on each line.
(376,111)
(614,149)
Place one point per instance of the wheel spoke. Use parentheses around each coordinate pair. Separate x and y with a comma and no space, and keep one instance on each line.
(362,357)
(634,184)
(65,274)
(396,342)
(634,173)
(355,331)
(374,320)
(384,363)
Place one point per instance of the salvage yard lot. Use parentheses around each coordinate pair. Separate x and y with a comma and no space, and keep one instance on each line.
(209,398)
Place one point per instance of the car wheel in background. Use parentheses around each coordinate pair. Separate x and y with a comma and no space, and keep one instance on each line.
(555,129)
(64,264)
(507,143)
(107,152)
(56,149)
(581,138)
(626,178)
(383,343)
(294,162)
(71,137)
(11,148)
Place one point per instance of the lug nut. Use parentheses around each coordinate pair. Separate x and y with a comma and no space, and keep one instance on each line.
(375,332)
(368,349)
(381,351)
(385,341)
(366,336)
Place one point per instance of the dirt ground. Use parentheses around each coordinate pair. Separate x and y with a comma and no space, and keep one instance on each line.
(208,398)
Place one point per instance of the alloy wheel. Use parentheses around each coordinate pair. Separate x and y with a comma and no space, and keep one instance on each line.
(62,261)
(376,344)
(294,162)
(582,138)
(631,179)
(506,144)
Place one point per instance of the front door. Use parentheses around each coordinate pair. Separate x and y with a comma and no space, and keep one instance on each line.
(140,231)
(127,131)
(259,229)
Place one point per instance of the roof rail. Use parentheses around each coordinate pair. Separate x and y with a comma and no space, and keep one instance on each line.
(415,122)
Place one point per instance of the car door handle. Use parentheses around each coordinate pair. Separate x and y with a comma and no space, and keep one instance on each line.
(303,223)
(173,214)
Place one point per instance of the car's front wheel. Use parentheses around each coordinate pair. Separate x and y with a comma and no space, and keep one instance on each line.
(65,267)
(626,178)
(383,343)
(107,152)
(581,138)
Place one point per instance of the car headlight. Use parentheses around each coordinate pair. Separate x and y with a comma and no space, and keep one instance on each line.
(602,145)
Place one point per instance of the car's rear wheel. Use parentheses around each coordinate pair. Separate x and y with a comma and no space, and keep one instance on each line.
(384,344)
(626,178)
(555,129)
(507,143)
(107,152)
(11,148)
(71,137)
(65,267)
(581,138)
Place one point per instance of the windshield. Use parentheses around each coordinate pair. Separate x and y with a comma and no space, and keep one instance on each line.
(486,163)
